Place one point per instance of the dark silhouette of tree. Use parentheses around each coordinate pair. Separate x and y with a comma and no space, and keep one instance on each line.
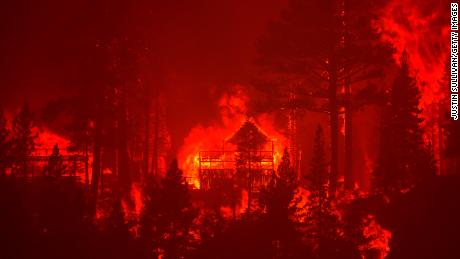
(426,166)
(452,151)
(315,50)
(176,215)
(55,166)
(160,139)
(248,137)
(86,115)
(278,201)
(320,210)
(23,139)
(318,172)
(167,220)
(384,175)
(363,59)
(404,158)
(149,219)
(322,221)
(100,109)
(5,144)
(248,140)
(278,197)
(117,225)
(118,241)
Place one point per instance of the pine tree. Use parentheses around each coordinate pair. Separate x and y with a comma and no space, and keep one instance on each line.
(55,166)
(279,202)
(148,220)
(248,140)
(320,211)
(276,199)
(404,158)
(452,152)
(177,213)
(23,139)
(121,243)
(315,56)
(384,175)
(322,220)
(5,144)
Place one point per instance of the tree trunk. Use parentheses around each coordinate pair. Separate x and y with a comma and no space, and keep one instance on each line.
(348,175)
(156,136)
(96,167)
(146,139)
(124,174)
(334,124)
(86,166)
(249,184)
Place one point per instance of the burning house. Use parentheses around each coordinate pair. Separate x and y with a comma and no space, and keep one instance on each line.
(51,155)
(247,157)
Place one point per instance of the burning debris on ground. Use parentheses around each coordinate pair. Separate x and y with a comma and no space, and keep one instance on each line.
(230,129)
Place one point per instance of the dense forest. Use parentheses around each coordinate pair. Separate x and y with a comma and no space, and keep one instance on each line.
(334,142)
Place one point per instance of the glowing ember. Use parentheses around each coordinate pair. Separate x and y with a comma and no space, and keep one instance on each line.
(379,238)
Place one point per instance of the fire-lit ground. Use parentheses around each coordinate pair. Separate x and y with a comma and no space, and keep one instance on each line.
(229,129)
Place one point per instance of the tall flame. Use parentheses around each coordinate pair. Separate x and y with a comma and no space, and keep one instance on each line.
(233,112)
(422,29)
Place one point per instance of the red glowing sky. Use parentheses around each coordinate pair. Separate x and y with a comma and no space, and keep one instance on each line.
(203,46)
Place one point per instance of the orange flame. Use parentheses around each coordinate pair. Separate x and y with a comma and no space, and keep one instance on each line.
(233,112)
(423,31)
